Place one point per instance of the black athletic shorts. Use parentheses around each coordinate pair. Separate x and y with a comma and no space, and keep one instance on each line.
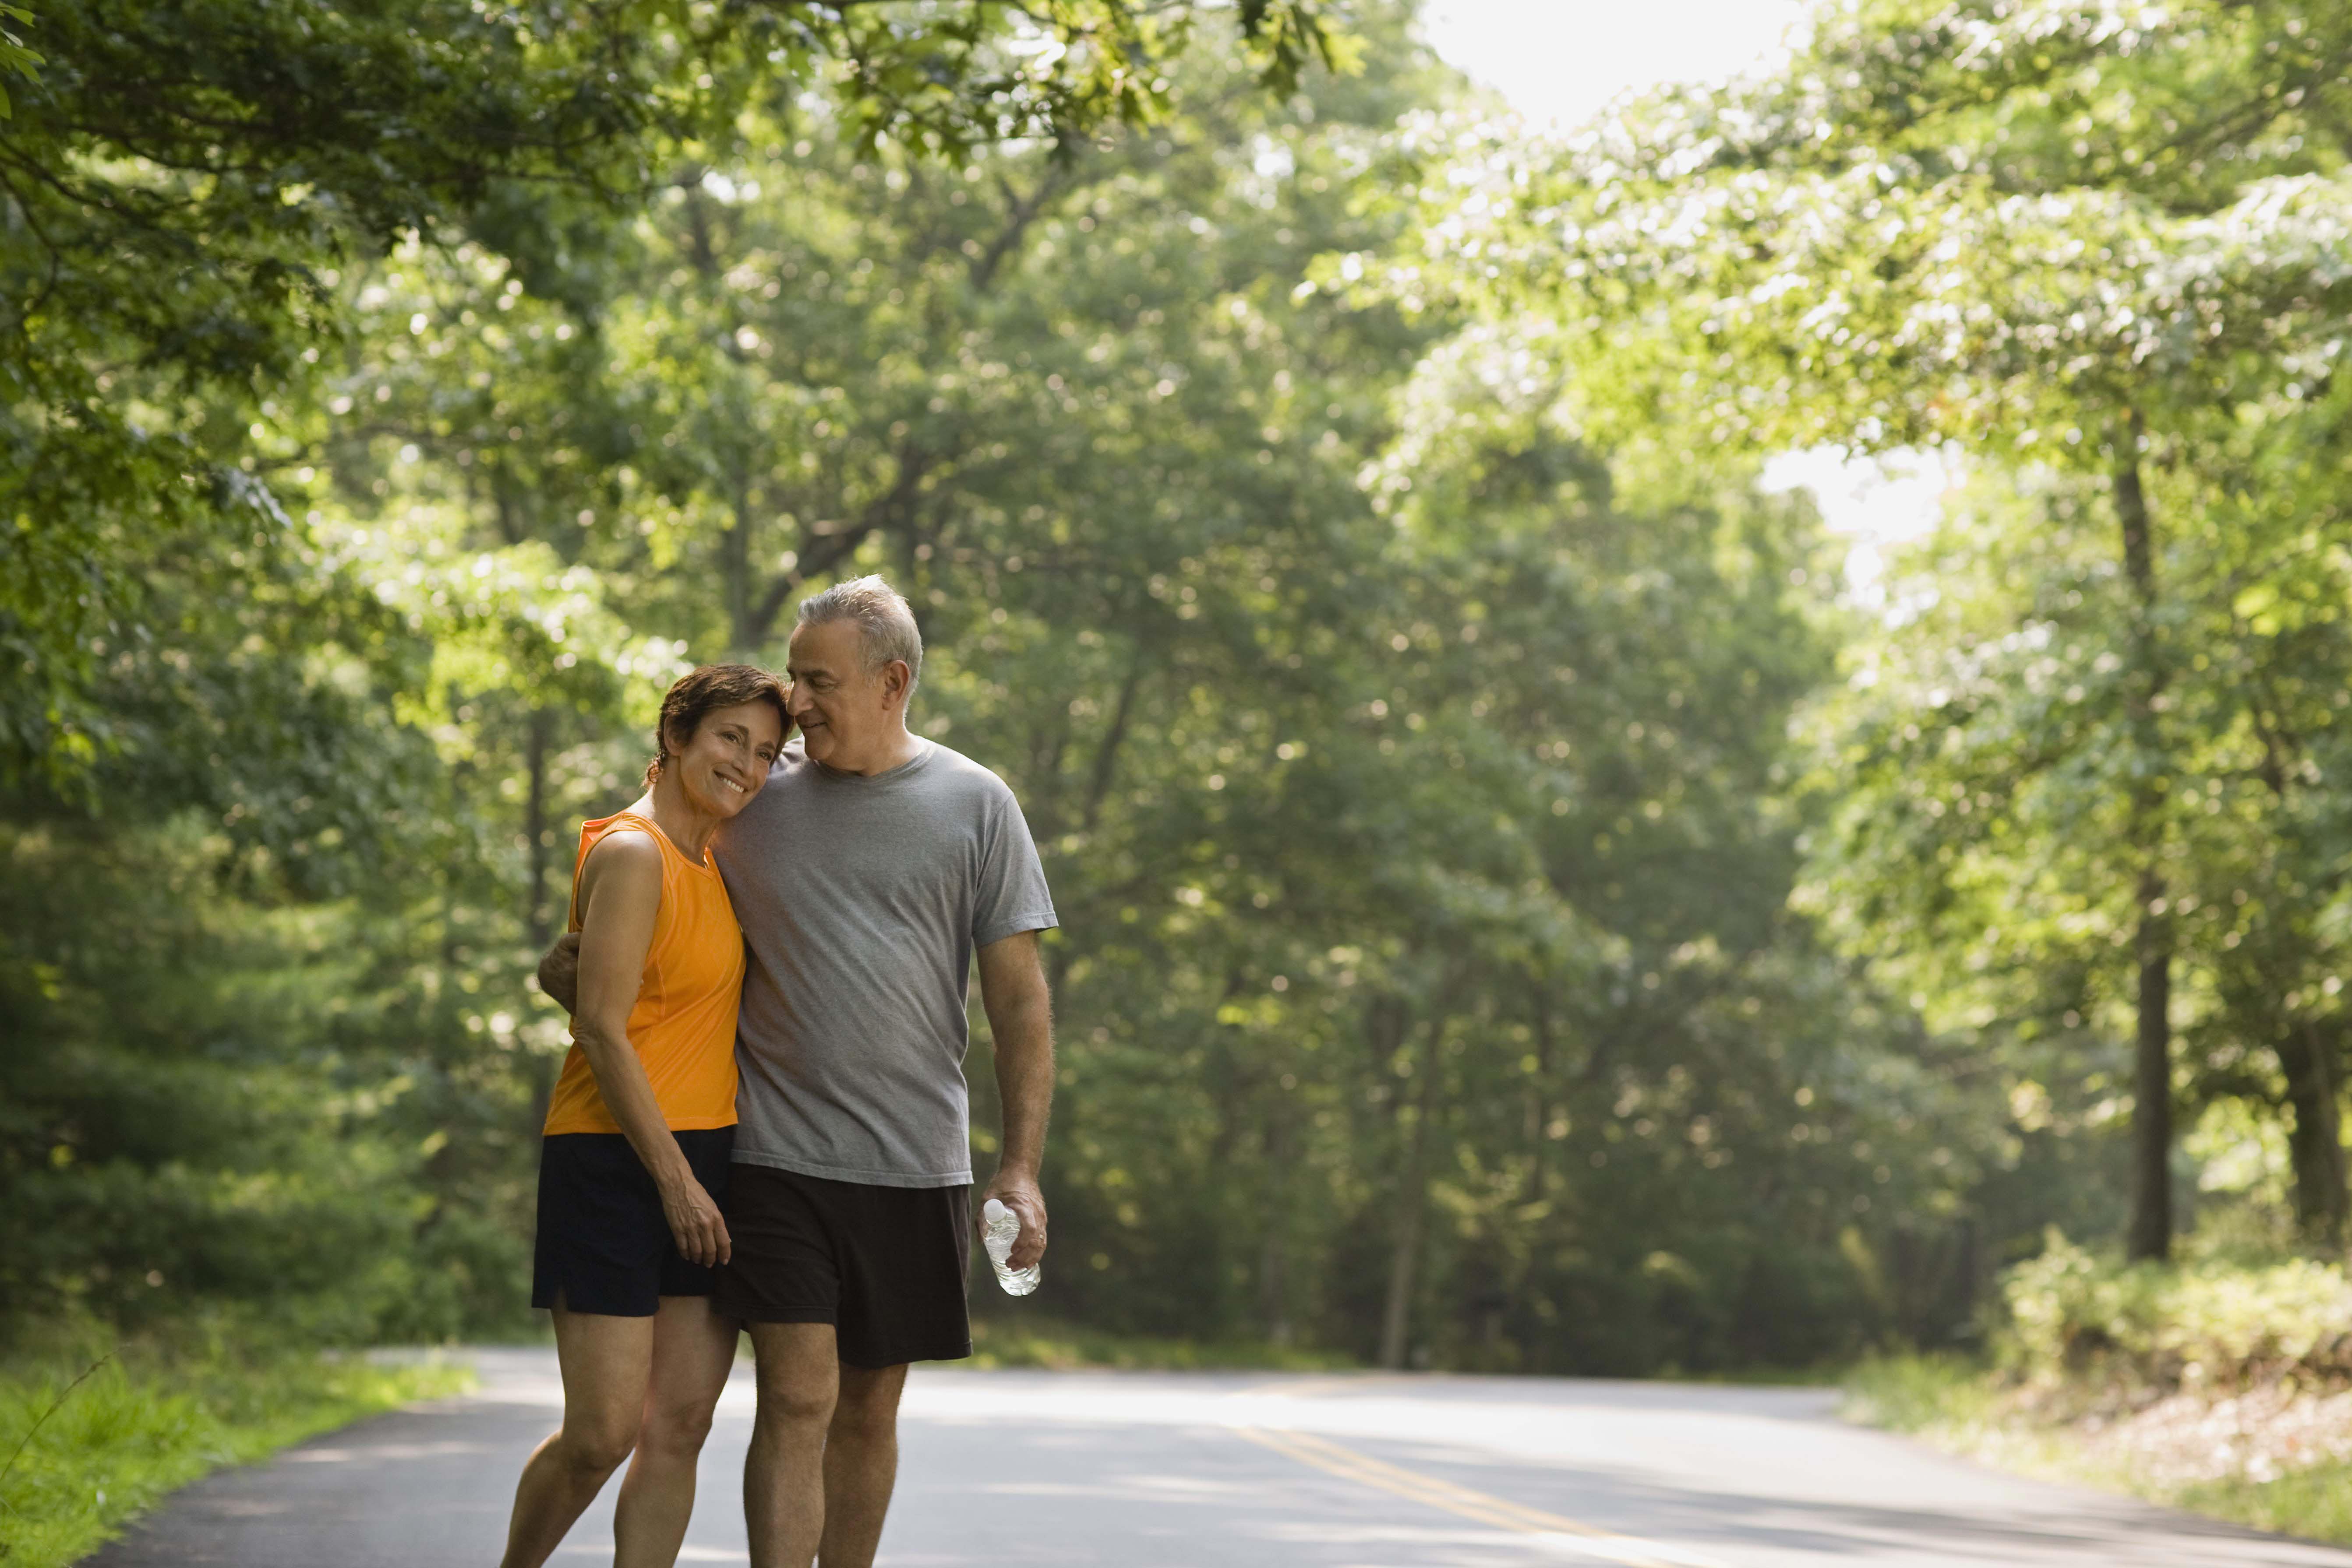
(604,1243)
(885,1265)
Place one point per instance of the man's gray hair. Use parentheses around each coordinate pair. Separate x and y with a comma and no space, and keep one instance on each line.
(885,626)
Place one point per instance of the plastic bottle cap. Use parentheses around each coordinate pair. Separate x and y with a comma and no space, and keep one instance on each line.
(993,1210)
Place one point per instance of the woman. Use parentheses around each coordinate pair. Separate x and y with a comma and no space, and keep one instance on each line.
(639,1131)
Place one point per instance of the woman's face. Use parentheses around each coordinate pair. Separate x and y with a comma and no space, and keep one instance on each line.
(725,761)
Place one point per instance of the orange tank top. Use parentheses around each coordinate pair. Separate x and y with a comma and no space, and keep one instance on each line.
(683,1026)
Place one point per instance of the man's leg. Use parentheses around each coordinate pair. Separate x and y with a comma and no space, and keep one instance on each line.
(784,1476)
(693,1350)
(605,1362)
(861,1464)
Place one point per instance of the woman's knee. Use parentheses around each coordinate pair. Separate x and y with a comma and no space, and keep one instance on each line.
(594,1447)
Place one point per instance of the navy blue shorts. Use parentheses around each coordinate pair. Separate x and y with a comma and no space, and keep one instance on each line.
(604,1243)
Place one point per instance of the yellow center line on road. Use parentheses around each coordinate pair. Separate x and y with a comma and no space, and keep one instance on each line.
(1487,1508)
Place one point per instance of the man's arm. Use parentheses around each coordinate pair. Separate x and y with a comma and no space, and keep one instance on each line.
(559,972)
(1020,1019)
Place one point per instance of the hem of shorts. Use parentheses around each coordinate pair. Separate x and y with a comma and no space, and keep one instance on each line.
(549,1306)
(743,1157)
(685,1124)
(897,1359)
(779,1315)
(1048,920)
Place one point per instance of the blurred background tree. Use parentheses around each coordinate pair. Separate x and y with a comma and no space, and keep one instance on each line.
(1518,912)
(2101,255)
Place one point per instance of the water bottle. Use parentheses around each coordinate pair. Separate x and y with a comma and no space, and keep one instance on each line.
(1000,1227)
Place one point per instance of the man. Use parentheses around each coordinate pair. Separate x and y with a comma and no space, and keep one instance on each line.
(865,876)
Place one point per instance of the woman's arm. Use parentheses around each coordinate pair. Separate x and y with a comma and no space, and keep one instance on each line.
(620,898)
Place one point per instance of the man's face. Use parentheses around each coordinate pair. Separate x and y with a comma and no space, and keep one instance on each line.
(847,714)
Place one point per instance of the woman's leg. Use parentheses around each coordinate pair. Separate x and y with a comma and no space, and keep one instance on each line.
(694,1347)
(607,1362)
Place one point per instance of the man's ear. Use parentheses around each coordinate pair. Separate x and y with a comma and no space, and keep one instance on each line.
(896,681)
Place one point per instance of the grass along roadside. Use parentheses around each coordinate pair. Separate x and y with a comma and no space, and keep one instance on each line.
(1028,1341)
(155,1416)
(2313,1503)
(1058,1346)
(2272,1457)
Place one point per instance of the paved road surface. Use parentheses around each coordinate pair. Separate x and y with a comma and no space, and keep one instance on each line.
(1148,1471)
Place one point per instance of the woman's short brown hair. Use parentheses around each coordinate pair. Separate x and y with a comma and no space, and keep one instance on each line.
(705,689)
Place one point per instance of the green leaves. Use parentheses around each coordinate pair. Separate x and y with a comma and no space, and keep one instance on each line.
(15,59)
(176,256)
(1399,672)
(2100,251)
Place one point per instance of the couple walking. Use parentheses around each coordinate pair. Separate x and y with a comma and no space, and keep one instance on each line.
(761,1126)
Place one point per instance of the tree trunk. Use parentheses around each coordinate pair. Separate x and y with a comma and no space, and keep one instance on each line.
(538,927)
(2150,1235)
(1540,1099)
(2314,1140)
(1274,1254)
(537,738)
(743,628)
(1107,754)
(2151,1213)
(1404,1260)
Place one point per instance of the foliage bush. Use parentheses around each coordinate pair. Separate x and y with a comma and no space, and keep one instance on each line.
(2216,1385)
(237,1105)
(2074,1313)
(1915,1392)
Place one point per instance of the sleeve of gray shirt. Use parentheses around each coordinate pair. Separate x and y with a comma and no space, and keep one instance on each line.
(1011,897)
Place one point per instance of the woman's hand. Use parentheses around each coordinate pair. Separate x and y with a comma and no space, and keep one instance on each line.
(694,1220)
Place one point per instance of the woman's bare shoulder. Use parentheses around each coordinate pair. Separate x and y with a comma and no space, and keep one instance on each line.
(626,856)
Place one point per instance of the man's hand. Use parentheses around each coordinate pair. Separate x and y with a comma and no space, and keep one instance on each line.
(1021,1023)
(559,972)
(1019,1193)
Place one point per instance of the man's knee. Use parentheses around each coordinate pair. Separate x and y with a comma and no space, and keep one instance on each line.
(867,1407)
(794,1409)
(797,1395)
(798,1377)
(676,1429)
(864,1423)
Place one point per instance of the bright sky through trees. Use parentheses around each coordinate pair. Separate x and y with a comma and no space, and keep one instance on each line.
(1562,61)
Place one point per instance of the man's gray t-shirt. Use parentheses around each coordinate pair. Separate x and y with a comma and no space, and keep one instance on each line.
(862,899)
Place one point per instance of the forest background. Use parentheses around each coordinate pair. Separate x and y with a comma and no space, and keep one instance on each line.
(1521,910)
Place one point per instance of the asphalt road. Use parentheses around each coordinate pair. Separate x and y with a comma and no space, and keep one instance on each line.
(1148,1471)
